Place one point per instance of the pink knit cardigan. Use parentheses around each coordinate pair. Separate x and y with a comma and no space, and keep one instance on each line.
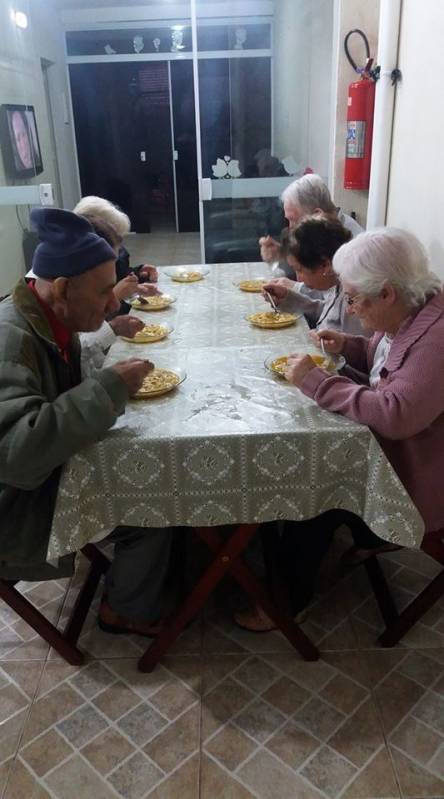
(406,409)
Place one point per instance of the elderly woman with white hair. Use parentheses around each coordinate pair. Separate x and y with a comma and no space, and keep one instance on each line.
(398,392)
(305,196)
(388,285)
(93,207)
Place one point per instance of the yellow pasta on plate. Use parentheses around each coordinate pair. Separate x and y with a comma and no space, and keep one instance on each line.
(272,320)
(155,303)
(158,382)
(255,285)
(148,334)
(187,277)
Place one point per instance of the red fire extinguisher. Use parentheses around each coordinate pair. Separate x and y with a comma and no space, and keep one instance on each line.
(360,109)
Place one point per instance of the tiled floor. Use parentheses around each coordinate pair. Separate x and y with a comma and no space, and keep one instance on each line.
(230,714)
(164,248)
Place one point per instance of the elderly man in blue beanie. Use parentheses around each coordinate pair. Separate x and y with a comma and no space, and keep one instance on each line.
(47,414)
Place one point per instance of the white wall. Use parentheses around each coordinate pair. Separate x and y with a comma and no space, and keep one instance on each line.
(302,50)
(416,187)
(350,14)
(21,81)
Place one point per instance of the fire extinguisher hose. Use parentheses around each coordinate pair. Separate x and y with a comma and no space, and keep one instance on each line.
(357,69)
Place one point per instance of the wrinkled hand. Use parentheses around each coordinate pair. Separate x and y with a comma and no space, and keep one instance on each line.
(270,249)
(133,371)
(147,289)
(297,367)
(148,272)
(333,340)
(126,325)
(277,288)
(125,288)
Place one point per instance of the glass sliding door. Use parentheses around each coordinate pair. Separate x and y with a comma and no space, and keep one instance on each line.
(263,89)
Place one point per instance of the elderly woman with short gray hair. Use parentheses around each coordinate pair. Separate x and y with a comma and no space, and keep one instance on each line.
(389,286)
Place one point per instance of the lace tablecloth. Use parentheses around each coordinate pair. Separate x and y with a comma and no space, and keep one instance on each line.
(232,443)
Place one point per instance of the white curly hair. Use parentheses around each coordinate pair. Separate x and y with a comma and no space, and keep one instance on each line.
(104,209)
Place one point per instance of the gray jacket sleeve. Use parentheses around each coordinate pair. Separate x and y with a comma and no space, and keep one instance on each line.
(36,435)
(302,302)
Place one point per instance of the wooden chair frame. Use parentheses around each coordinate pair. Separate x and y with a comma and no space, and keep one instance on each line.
(398,624)
(65,642)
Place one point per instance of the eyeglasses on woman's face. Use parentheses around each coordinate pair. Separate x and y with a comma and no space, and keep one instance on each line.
(352,299)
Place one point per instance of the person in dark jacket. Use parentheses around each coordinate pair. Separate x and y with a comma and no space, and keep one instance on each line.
(47,414)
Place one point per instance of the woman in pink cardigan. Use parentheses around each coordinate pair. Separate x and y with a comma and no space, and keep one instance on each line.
(388,285)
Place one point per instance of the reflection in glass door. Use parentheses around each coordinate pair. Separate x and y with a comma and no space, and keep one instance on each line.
(263,117)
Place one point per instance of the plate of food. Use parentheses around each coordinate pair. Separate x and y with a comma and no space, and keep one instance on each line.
(161,380)
(277,364)
(253,285)
(185,274)
(273,320)
(157,302)
(149,334)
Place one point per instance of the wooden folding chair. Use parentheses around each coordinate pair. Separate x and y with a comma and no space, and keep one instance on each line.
(398,624)
(65,643)
(227,560)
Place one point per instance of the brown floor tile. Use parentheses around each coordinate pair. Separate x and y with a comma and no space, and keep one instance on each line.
(116,700)
(11,700)
(260,720)
(416,782)
(135,777)
(49,709)
(216,667)
(360,736)
(142,724)
(230,747)
(292,744)
(430,710)
(328,771)
(319,718)
(10,732)
(417,740)
(176,742)
(92,679)
(22,783)
(420,667)
(76,780)
(214,782)
(437,762)
(227,699)
(82,725)
(107,750)
(184,783)
(312,676)
(46,752)
(25,675)
(173,699)
(396,696)
(376,781)
(286,695)
(144,685)
(270,778)
(256,674)
(53,673)
(343,693)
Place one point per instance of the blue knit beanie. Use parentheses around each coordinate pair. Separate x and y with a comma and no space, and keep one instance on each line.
(68,245)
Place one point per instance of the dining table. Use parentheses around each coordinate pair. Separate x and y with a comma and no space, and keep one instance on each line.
(233,444)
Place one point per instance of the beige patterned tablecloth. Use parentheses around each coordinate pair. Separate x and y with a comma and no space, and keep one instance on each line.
(232,443)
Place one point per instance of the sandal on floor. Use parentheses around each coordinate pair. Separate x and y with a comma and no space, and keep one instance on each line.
(255,620)
(354,556)
(113,623)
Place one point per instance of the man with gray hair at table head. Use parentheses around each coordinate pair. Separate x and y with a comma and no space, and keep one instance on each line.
(307,195)
(48,414)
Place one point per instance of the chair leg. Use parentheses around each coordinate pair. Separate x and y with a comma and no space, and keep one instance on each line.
(413,612)
(42,626)
(99,566)
(381,590)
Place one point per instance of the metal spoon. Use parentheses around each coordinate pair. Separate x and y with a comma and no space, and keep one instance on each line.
(271,301)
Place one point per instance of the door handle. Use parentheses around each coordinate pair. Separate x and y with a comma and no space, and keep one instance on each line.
(143,155)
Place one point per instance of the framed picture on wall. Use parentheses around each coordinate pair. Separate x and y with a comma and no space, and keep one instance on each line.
(19,141)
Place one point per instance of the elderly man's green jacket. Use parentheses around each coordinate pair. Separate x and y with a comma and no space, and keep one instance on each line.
(46,415)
